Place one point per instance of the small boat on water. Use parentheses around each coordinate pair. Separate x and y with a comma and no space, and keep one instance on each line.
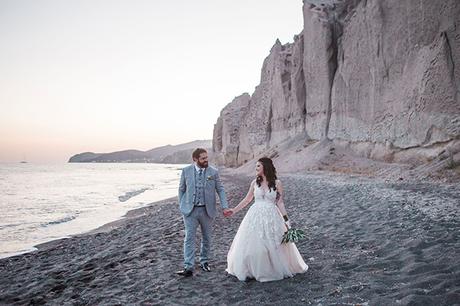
(24,160)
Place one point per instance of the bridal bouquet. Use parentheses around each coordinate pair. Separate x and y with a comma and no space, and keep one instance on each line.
(293,235)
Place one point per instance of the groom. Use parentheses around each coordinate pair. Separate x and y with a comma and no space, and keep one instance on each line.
(197,201)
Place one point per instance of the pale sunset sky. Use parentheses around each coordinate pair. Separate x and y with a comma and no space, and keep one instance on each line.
(108,75)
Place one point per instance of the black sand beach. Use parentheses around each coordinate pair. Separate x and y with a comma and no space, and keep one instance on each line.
(369,243)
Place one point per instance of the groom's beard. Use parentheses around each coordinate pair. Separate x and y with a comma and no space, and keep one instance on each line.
(202,165)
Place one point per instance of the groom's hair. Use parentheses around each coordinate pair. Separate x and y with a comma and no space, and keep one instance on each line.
(196,153)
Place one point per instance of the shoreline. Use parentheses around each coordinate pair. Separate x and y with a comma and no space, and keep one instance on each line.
(105,228)
(368,242)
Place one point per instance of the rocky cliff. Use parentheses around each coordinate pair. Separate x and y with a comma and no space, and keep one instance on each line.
(380,78)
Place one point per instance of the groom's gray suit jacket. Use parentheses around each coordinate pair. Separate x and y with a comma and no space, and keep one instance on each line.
(212,185)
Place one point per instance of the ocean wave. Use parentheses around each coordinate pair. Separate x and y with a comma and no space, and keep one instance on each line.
(128,195)
(59,221)
(11,225)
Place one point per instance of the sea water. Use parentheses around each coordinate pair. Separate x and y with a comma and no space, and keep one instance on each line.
(43,202)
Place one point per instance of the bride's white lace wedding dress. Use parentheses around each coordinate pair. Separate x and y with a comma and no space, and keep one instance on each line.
(257,251)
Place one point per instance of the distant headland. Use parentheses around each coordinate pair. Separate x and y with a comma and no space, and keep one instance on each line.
(169,154)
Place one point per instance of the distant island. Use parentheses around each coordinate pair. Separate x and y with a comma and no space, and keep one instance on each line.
(169,154)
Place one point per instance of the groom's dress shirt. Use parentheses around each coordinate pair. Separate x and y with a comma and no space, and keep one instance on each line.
(198,168)
(199,187)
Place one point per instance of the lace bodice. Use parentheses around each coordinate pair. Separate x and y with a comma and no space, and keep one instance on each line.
(263,195)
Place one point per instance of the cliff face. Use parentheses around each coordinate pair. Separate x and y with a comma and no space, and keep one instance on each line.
(398,74)
(226,139)
(381,77)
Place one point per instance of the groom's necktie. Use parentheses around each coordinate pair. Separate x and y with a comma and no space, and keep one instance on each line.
(200,189)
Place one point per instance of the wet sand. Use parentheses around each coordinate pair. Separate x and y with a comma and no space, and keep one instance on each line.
(369,242)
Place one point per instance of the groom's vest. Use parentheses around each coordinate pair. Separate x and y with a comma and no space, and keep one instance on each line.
(198,199)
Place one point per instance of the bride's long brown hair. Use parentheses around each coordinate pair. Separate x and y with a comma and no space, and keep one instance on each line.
(269,172)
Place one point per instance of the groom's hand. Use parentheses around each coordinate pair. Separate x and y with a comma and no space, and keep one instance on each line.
(228,212)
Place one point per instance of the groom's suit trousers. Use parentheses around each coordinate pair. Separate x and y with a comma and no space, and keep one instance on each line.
(198,217)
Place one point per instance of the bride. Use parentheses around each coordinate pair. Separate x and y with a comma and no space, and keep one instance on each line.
(257,251)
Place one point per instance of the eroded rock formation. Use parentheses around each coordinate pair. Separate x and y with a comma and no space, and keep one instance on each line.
(381,77)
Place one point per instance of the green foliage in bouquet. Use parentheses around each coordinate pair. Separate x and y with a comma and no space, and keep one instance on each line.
(293,235)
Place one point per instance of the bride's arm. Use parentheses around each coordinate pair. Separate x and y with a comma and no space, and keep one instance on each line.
(247,199)
(280,201)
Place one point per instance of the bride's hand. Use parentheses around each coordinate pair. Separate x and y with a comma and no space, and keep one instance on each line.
(228,212)
(288,224)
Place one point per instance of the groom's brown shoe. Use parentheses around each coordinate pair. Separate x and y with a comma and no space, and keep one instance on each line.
(185,272)
(205,267)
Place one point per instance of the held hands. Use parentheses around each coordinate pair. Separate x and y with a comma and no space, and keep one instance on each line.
(228,212)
